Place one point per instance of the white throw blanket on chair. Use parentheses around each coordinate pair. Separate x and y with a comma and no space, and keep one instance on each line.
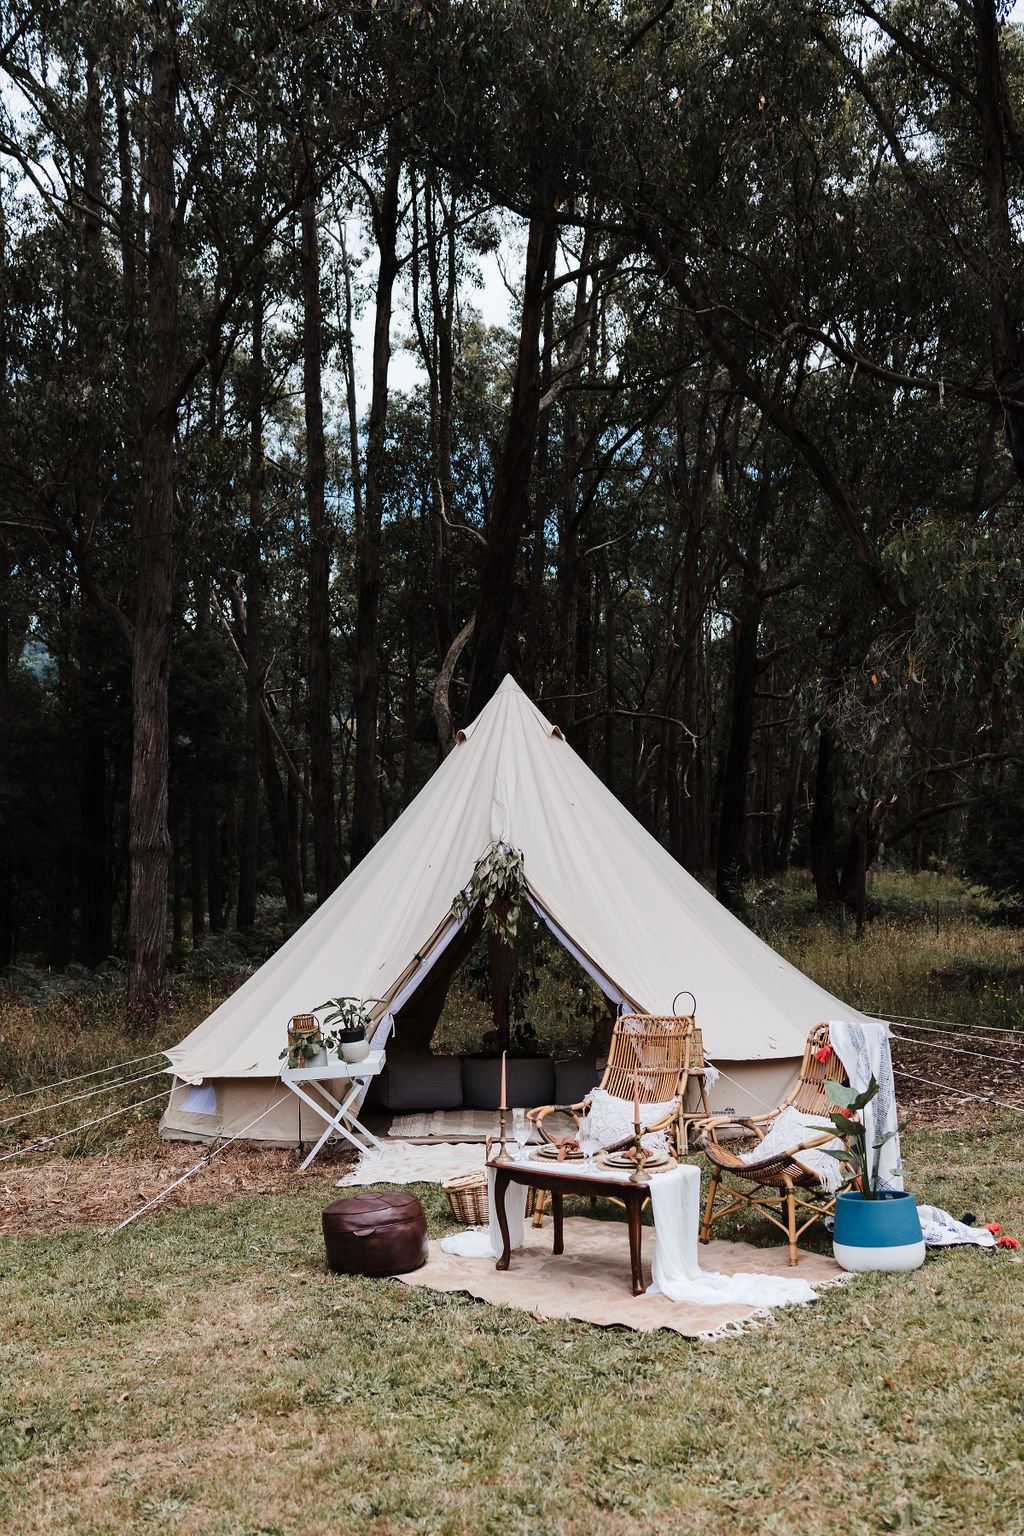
(862,1046)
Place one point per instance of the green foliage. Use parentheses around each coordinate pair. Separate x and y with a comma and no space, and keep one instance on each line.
(498,887)
(857,1153)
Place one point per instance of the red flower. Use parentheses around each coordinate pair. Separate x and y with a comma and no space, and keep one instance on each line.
(823,1054)
(847,1112)
(992,1226)
(1007,1242)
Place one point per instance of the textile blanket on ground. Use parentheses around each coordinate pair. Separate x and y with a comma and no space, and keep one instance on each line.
(591,1279)
(405,1163)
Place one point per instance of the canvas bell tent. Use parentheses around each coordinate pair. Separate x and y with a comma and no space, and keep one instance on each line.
(642,927)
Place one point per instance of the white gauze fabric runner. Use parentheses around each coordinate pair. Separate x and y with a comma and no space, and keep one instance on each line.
(862,1046)
(477,1244)
(675,1272)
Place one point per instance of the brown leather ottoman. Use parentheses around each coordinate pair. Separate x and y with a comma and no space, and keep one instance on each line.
(378,1233)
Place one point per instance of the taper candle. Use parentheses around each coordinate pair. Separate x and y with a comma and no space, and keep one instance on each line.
(636,1097)
(504,1105)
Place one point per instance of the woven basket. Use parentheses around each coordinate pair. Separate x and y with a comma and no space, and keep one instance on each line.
(467,1196)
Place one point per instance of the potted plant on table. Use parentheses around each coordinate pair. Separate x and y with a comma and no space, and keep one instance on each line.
(875,1228)
(345,1026)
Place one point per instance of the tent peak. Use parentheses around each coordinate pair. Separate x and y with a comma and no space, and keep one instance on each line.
(507,686)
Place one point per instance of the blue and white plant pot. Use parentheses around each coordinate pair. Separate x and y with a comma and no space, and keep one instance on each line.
(884,1233)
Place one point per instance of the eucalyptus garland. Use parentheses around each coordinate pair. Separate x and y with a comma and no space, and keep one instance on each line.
(499,887)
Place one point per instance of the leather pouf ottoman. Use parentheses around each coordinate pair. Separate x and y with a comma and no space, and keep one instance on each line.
(383,1233)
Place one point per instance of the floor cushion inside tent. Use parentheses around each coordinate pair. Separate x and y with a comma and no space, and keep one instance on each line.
(575,1078)
(530,1081)
(418,1081)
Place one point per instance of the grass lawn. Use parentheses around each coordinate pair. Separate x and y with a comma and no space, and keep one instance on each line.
(202,1372)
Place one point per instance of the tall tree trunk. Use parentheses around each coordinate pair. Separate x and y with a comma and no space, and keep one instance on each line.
(149,839)
(321,773)
(284,840)
(509,507)
(1005,320)
(367,689)
(823,823)
(253,636)
(732,815)
(6,873)
(95,896)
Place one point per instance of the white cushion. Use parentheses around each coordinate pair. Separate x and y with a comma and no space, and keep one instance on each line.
(612,1120)
(788,1130)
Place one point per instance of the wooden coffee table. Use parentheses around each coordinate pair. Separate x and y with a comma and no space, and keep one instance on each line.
(552,1176)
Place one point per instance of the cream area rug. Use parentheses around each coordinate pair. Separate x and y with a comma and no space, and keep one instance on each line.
(415,1163)
(591,1279)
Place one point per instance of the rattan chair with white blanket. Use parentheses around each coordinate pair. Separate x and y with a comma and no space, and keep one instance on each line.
(784,1175)
(663,1057)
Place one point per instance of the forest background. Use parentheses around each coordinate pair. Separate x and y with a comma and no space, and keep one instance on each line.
(736,495)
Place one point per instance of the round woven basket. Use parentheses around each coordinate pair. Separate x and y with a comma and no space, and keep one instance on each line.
(467,1196)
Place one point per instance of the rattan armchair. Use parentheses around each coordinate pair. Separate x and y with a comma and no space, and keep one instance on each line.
(787,1193)
(664,1055)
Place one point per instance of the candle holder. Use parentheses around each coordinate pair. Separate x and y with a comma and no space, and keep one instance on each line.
(503,1153)
(639,1174)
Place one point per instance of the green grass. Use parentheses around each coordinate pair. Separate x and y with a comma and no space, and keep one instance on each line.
(203,1373)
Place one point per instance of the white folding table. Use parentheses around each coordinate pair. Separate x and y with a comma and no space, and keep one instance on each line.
(341,1120)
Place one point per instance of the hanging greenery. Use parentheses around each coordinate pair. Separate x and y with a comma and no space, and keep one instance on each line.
(498,886)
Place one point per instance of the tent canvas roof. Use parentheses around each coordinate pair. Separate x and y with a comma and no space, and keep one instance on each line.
(648,925)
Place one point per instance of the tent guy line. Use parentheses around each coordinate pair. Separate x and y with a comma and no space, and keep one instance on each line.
(202,1163)
(967,1033)
(79,1077)
(950,1025)
(963,1092)
(48,1141)
(122,1082)
(939,1045)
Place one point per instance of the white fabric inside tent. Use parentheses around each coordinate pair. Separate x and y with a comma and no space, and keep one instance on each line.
(643,927)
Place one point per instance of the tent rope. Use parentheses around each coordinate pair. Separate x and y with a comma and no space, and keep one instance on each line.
(123,1082)
(81,1076)
(939,1045)
(947,1088)
(203,1162)
(911,1018)
(49,1140)
(743,1087)
(966,1033)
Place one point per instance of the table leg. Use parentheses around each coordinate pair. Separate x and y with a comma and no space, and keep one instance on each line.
(558,1246)
(634,1202)
(501,1183)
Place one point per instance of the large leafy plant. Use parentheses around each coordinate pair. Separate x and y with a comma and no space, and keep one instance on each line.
(857,1154)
